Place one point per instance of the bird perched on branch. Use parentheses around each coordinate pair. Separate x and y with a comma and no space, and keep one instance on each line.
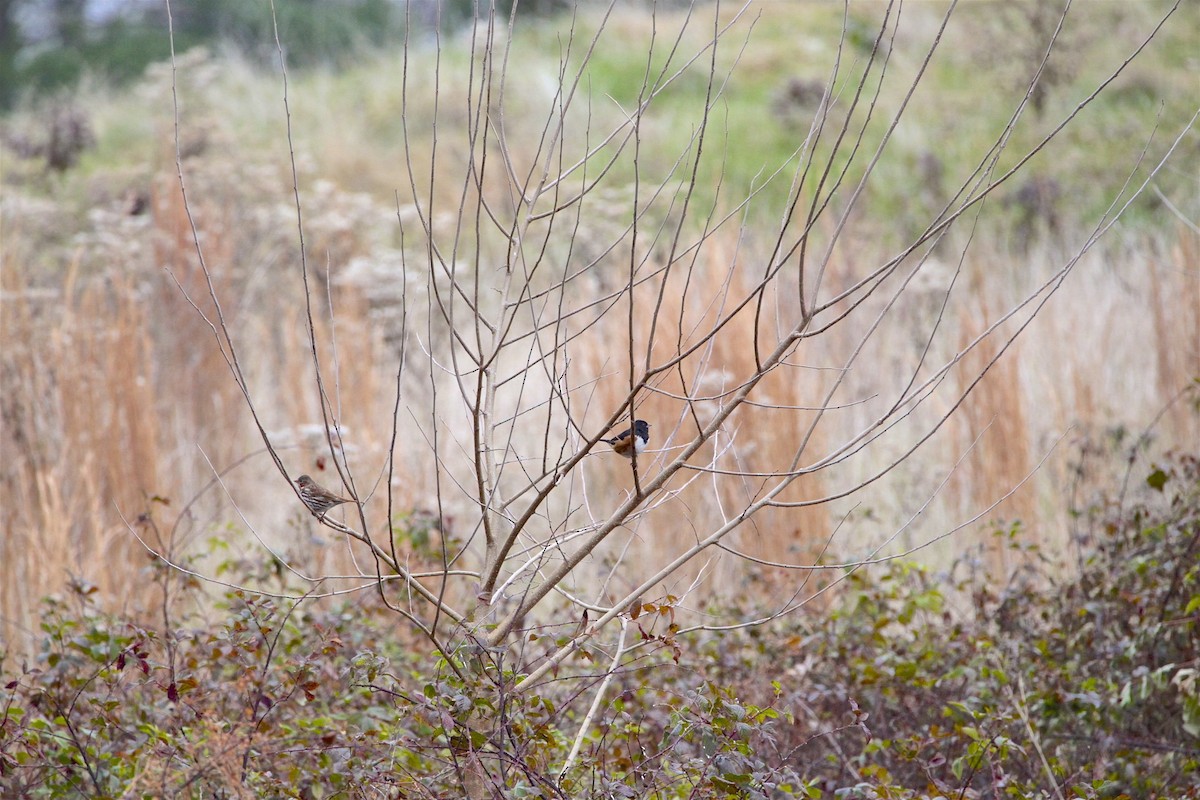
(318,499)
(633,440)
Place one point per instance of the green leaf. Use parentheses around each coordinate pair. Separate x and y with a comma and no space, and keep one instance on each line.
(1157,479)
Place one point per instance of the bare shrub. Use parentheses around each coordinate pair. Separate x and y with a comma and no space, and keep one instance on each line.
(560,261)
(525,354)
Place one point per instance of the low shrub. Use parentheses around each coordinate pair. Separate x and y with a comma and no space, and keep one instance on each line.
(1066,682)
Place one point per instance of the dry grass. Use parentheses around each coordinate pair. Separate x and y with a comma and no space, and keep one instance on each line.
(113,383)
(82,437)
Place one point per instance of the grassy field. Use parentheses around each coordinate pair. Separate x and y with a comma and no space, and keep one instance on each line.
(119,410)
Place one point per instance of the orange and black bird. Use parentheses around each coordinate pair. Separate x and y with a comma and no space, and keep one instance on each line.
(318,499)
(633,440)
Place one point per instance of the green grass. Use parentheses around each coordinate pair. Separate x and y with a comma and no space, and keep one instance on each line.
(974,84)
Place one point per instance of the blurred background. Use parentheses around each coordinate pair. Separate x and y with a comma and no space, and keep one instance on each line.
(118,409)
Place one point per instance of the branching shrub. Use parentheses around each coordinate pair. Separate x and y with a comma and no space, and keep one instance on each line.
(915,685)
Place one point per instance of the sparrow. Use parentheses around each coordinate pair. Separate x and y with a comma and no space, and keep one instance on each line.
(633,440)
(318,499)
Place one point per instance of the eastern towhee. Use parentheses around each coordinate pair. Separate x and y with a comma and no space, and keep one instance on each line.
(632,440)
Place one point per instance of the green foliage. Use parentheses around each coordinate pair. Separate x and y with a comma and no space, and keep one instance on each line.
(1088,676)
(312,33)
(1080,683)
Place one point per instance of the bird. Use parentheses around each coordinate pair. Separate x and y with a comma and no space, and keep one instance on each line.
(318,499)
(632,440)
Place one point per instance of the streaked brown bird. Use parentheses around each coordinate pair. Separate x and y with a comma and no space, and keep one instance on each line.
(318,499)
(633,440)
